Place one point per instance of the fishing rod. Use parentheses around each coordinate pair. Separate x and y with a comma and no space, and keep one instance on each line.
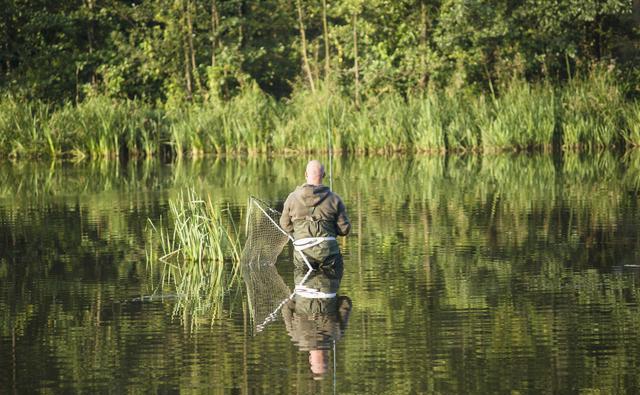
(330,145)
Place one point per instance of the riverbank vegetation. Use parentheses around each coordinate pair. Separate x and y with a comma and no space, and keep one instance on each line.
(179,78)
(588,113)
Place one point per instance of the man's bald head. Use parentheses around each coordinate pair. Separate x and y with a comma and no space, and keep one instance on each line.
(314,172)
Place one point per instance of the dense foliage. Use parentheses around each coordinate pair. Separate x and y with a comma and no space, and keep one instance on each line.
(176,50)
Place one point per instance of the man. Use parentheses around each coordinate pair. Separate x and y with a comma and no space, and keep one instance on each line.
(315,216)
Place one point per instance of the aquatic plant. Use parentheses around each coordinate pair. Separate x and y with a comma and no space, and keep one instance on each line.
(22,127)
(591,111)
(241,125)
(522,117)
(306,121)
(632,121)
(200,255)
(588,112)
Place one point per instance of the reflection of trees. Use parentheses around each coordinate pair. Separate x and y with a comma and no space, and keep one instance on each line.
(461,266)
(496,274)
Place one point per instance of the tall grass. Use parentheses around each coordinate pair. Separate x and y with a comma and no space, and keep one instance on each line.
(523,116)
(632,120)
(243,124)
(592,111)
(200,259)
(587,113)
(100,127)
(22,127)
(309,120)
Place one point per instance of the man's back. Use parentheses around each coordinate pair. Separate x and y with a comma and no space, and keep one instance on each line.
(314,211)
(315,216)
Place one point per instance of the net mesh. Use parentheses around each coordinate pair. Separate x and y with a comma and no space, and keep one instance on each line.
(266,289)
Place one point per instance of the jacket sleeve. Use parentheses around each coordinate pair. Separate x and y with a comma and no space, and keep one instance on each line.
(343,224)
(285,218)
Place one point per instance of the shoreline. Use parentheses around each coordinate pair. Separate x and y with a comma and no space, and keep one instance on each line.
(585,115)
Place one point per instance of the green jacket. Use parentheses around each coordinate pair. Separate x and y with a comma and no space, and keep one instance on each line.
(315,211)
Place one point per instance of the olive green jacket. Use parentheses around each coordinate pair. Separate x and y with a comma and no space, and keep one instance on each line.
(315,211)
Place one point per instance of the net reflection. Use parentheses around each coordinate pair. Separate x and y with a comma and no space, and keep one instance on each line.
(316,316)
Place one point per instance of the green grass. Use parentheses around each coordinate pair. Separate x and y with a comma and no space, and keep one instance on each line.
(522,117)
(589,112)
(592,112)
(200,258)
(631,117)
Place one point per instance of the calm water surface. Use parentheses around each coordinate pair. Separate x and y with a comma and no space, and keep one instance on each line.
(494,274)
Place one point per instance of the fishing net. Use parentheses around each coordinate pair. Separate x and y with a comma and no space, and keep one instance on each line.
(265,238)
(266,289)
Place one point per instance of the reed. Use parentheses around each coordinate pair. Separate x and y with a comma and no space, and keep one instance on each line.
(308,119)
(588,112)
(631,117)
(388,126)
(200,256)
(22,127)
(591,111)
(241,125)
(429,126)
(522,117)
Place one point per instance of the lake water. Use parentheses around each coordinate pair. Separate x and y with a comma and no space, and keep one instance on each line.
(467,274)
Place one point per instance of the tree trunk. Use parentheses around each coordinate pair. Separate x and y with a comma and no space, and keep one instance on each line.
(424,26)
(303,47)
(90,37)
(325,31)
(356,70)
(215,22)
(240,26)
(187,71)
(192,52)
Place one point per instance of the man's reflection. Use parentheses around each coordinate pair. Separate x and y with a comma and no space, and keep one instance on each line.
(316,316)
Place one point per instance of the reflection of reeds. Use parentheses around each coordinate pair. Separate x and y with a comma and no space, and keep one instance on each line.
(201,256)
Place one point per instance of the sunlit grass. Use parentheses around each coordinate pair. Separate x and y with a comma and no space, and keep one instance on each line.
(588,112)
(200,259)
(632,120)
(592,112)
(522,117)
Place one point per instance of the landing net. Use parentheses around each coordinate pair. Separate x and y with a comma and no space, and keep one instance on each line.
(265,238)
(266,289)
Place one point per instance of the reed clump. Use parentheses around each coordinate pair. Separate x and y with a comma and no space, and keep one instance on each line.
(632,123)
(310,121)
(522,117)
(106,128)
(22,127)
(589,112)
(241,125)
(200,259)
(592,109)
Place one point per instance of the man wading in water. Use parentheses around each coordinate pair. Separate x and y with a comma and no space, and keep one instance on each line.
(316,317)
(315,216)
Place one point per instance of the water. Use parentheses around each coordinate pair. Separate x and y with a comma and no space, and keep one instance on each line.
(468,274)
